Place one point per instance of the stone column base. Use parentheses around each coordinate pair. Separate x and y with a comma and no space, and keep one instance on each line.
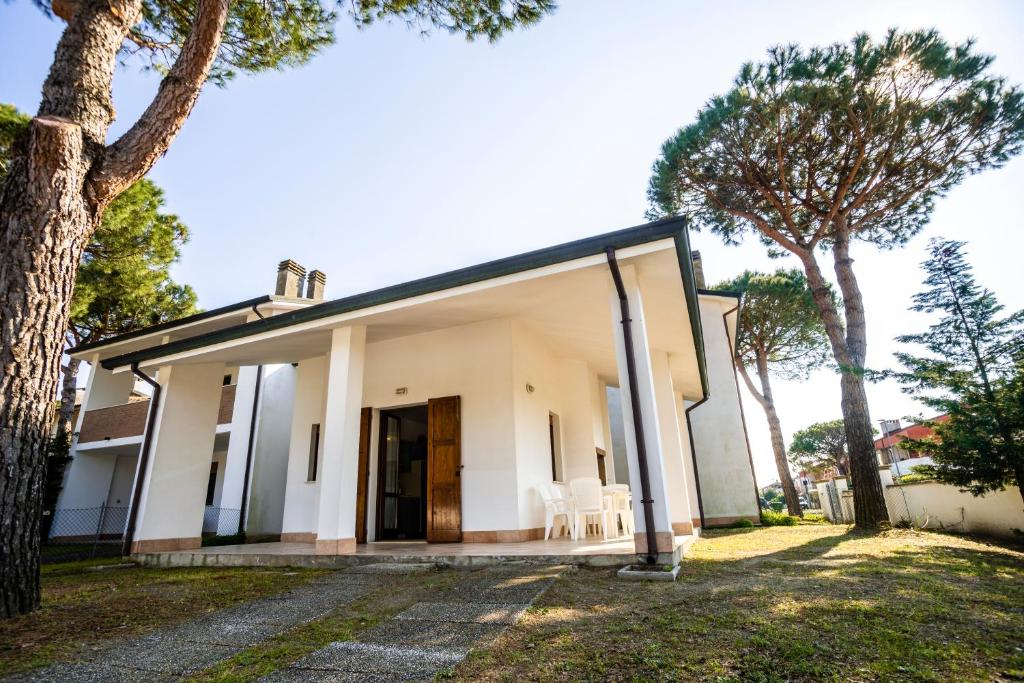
(335,546)
(164,545)
(298,537)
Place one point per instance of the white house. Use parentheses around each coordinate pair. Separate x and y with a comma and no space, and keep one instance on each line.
(430,409)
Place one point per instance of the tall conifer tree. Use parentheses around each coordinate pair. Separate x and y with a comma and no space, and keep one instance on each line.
(973,371)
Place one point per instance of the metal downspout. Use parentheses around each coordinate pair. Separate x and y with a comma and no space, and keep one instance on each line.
(250,448)
(693,456)
(634,400)
(140,473)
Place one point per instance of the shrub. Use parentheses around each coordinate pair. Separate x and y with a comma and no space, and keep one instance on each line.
(813,518)
(773,518)
(741,524)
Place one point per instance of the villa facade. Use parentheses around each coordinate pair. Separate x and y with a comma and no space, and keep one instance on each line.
(428,410)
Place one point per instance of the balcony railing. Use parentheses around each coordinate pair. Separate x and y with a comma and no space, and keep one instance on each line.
(129,419)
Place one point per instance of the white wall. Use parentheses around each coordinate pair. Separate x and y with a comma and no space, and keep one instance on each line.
(576,380)
(270,459)
(723,460)
(935,505)
(87,482)
(122,481)
(302,497)
(473,362)
(534,364)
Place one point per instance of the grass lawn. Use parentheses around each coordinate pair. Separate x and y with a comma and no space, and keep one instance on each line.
(804,603)
(82,608)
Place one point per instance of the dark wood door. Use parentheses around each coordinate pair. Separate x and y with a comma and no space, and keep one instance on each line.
(444,470)
(365,420)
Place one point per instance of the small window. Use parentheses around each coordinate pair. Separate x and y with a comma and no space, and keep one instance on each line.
(211,486)
(314,452)
(227,380)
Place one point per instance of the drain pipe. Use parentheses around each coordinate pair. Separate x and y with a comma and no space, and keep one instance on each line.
(140,474)
(634,400)
(693,456)
(242,513)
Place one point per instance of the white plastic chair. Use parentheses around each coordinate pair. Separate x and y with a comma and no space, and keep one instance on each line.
(554,507)
(621,507)
(588,503)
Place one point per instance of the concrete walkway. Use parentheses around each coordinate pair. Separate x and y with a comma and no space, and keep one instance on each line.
(429,637)
(192,646)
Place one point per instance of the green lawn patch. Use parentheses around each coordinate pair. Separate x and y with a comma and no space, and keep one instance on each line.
(800,603)
(83,609)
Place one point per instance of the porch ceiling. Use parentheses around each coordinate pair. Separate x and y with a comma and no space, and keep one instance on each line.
(567,307)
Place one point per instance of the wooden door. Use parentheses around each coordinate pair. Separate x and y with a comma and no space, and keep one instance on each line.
(444,470)
(363,483)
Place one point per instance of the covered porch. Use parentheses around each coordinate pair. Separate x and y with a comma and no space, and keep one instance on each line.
(502,372)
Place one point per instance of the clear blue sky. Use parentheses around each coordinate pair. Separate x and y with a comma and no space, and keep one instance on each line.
(393,156)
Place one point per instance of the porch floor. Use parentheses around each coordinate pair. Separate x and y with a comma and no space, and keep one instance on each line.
(590,551)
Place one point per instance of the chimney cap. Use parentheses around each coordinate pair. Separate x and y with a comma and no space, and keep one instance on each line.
(291,265)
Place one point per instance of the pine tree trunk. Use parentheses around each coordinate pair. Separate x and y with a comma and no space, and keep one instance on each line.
(767,401)
(69,384)
(42,214)
(849,348)
(778,442)
(58,183)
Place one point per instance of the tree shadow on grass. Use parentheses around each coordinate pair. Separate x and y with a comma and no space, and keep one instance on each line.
(842,606)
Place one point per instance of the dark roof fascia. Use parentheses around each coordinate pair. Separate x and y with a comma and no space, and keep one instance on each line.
(720,292)
(570,251)
(171,324)
(691,293)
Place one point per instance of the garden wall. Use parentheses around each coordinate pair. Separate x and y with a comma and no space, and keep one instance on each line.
(929,504)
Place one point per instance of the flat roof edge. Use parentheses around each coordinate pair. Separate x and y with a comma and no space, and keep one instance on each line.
(540,258)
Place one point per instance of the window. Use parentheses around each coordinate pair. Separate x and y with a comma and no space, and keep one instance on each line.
(555,437)
(314,452)
(227,380)
(211,486)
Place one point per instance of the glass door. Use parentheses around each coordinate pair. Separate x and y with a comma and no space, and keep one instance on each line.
(391,429)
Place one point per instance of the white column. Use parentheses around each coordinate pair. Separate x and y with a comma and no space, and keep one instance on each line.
(576,420)
(672,447)
(238,442)
(648,413)
(172,503)
(691,475)
(336,523)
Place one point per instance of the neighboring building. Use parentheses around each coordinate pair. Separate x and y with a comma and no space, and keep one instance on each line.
(890,452)
(430,409)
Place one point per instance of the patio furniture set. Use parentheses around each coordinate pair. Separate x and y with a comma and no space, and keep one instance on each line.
(584,504)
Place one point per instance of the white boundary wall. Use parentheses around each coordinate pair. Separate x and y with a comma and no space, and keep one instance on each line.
(933,505)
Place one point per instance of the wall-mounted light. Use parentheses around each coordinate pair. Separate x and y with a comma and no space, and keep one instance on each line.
(402,391)
(530,388)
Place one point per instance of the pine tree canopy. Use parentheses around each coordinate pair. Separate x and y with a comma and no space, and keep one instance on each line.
(277,34)
(820,446)
(867,134)
(779,322)
(973,370)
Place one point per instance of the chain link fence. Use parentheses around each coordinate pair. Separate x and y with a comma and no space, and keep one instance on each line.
(219,521)
(84,533)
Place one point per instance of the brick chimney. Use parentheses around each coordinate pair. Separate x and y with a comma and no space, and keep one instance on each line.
(698,270)
(315,284)
(289,279)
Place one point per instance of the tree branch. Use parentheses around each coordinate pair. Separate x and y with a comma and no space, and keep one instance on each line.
(131,156)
